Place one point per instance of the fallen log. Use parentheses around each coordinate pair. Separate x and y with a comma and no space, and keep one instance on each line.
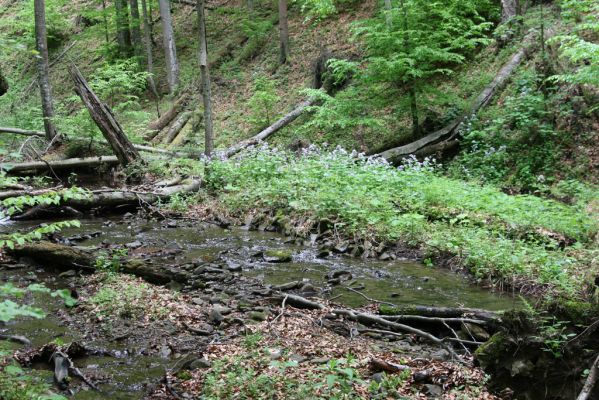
(177,126)
(450,131)
(24,132)
(71,163)
(443,312)
(168,116)
(589,384)
(25,192)
(105,120)
(281,123)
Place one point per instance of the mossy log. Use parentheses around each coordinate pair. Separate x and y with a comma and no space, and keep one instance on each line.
(65,258)
(68,164)
(166,118)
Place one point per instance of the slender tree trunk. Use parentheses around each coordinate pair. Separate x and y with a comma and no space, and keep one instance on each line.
(43,68)
(509,9)
(250,4)
(389,16)
(283,31)
(205,76)
(136,30)
(105,17)
(3,84)
(149,56)
(122,27)
(411,89)
(170,50)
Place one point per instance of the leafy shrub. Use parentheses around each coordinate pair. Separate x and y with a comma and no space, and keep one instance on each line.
(120,82)
(262,103)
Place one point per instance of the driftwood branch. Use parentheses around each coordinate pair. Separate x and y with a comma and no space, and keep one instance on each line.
(263,135)
(589,384)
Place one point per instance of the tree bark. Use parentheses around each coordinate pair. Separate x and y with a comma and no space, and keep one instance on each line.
(44,69)
(250,4)
(3,84)
(170,49)
(148,47)
(281,123)
(177,126)
(71,163)
(587,389)
(168,116)
(509,9)
(283,32)
(122,25)
(205,77)
(136,30)
(388,15)
(105,120)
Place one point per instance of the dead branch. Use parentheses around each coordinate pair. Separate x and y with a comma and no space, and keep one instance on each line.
(587,389)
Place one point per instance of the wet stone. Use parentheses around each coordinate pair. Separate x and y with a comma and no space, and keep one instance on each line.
(258,316)
(433,391)
(215,316)
(200,363)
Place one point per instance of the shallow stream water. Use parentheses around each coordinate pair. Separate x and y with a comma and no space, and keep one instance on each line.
(401,282)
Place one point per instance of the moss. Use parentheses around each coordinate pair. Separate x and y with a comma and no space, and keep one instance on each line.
(385,309)
(491,351)
(277,256)
(576,311)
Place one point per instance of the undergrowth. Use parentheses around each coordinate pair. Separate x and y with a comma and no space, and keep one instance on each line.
(517,240)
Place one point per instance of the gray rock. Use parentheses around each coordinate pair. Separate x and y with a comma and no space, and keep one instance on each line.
(277,256)
(275,354)
(198,301)
(422,376)
(134,245)
(441,355)
(215,316)
(68,274)
(298,358)
(433,391)
(320,360)
(258,316)
(223,310)
(200,363)
(378,377)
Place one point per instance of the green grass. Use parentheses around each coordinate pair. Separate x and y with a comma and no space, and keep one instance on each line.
(518,240)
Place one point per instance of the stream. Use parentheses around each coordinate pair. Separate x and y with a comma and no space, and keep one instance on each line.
(402,282)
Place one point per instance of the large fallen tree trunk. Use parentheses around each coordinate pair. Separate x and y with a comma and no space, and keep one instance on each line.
(281,123)
(71,163)
(176,127)
(105,120)
(168,116)
(452,130)
(138,147)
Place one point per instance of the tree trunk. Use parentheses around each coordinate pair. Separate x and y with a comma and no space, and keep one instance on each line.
(122,26)
(148,47)
(205,77)
(43,69)
(283,122)
(170,50)
(3,84)
(388,15)
(176,127)
(105,120)
(283,32)
(136,30)
(71,163)
(509,9)
(168,116)
(250,4)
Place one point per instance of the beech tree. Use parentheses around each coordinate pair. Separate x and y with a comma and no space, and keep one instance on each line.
(205,77)
(283,32)
(43,68)
(170,49)
(509,9)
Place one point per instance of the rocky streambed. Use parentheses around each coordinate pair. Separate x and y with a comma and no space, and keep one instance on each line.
(212,287)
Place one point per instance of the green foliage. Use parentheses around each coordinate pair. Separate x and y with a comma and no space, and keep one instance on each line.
(57,27)
(409,44)
(580,47)
(253,376)
(262,103)
(122,299)
(519,148)
(112,262)
(18,384)
(494,234)
(120,81)
(10,310)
